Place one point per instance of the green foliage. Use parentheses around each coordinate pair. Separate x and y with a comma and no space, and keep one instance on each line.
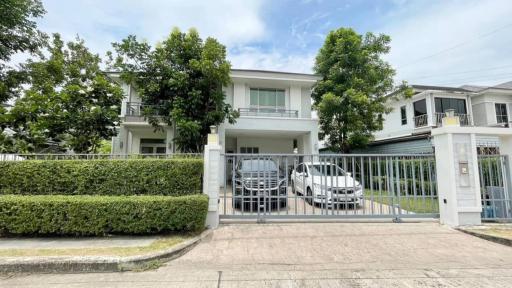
(100,215)
(70,103)
(105,147)
(18,31)
(184,75)
(350,97)
(170,177)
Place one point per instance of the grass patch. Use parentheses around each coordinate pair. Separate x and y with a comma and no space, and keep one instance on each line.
(496,232)
(162,243)
(419,205)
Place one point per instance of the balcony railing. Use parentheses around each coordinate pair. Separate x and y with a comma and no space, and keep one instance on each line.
(437,120)
(421,121)
(464,119)
(139,109)
(268,112)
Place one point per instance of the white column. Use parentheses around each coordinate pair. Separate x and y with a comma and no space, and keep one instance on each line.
(458,181)
(430,111)
(211,185)
(506,149)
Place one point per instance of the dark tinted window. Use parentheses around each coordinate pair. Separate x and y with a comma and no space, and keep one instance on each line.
(420,108)
(443,104)
(403,114)
(501,113)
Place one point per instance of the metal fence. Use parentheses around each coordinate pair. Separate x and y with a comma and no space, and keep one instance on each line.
(280,186)
(22,157)
(495,188)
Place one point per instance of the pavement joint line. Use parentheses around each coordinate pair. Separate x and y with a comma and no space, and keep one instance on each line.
(91,264)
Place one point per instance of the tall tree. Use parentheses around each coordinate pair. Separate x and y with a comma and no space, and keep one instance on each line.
(350,96)
(18,33)
(184,75)
(70,103)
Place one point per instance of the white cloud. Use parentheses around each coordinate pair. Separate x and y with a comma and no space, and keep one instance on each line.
(102,22)
(418,32)
(254,58)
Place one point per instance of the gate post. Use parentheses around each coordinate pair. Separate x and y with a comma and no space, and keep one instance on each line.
(506,150)
(458,180)
(211,185)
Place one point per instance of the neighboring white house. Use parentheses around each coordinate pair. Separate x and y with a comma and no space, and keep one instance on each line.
(407,128)
(275,117)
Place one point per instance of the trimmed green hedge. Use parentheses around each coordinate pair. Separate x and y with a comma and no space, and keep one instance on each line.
(171,177)
(100,215)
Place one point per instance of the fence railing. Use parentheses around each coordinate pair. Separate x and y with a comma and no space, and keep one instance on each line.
(329,185)
(268,112)
(494,188)
(22,157)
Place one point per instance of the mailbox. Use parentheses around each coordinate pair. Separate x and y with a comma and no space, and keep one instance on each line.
(463,167)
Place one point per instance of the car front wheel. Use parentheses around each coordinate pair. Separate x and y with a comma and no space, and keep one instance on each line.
(309,196)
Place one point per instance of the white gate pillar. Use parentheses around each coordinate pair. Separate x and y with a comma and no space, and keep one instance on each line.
(211,185)
(458,180)
(506,150)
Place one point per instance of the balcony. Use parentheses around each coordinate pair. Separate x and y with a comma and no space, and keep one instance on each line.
(437,120)
(139,109)
(135,111)
(268,112)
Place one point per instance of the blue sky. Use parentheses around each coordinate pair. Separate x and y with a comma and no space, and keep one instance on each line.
(443,42)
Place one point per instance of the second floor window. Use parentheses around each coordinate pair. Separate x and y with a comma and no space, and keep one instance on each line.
(264,98)
(403,115)
(443,104)
(501,113)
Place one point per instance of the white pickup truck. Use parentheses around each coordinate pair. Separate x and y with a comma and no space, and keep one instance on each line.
(326,183)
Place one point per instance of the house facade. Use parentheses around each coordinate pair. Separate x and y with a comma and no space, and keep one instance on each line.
(275,117)
(408,127)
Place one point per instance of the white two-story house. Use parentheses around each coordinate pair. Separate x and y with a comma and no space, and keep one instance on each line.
(407,128)
(275,117)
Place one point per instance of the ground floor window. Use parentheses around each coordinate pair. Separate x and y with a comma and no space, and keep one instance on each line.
(249,150)
(152,146)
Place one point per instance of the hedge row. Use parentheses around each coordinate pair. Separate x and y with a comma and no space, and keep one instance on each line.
(171,177)
(100,215)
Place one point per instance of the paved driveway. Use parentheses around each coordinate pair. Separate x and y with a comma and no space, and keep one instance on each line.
(317,255)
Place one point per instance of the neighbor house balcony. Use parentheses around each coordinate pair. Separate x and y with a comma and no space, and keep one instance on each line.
(421,121)
(268,112)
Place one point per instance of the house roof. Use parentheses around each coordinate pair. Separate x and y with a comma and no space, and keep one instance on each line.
(478,88)
(273,72)
(251,71)
(506,85)
(440,88)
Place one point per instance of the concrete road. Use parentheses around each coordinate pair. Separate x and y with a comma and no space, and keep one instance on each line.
(316,255)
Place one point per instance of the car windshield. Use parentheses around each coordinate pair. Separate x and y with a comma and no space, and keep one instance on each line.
(257,165)
(326,170)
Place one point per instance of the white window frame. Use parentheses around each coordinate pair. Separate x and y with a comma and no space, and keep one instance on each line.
(276,107)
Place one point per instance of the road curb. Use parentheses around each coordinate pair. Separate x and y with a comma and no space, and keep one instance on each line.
(89,264)
(495,239)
